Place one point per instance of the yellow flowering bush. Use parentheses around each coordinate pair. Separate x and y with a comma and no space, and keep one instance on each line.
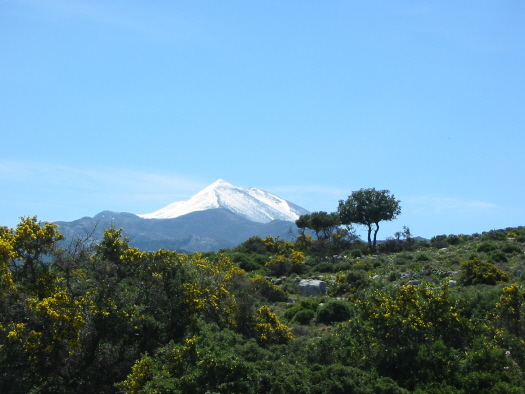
(413,314)
(511,307)
(6,254)
(61,317)
(210,289)
(139,376)
(269,329)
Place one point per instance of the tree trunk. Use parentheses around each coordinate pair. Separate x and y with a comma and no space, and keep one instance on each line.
(370,237)
(375,235)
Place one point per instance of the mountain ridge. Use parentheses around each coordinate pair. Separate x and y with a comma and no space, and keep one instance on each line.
(255,204)
(232,216)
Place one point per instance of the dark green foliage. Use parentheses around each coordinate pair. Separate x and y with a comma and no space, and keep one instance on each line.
(357,280)
(498,256)
(331,237)
(290,313)
(368,207)
(423,244)
(422,257)
(439,241)
(322,223)
(304,316)
(390,245)
(250,265)
(453,239)
(346,379)
(521,238)
(406,256)
(342,266)
(323,267)
(333,311)
(309,303)
(511,249)
(249,261)
(253,245)
(494,235)
(477,303)
(301,313)
(487,246)
(401,260)
(356,253)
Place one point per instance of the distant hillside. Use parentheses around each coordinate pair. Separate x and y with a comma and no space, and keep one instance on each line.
(201,231)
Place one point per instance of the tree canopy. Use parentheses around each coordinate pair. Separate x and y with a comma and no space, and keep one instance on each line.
(368,207)
(322,223)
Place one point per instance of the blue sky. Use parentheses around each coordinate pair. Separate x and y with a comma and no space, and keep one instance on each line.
(132,105)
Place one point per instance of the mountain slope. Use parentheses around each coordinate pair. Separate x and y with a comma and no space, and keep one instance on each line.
(254,204)
(220,216)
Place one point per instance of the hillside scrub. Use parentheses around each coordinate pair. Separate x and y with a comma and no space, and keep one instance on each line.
(425,317)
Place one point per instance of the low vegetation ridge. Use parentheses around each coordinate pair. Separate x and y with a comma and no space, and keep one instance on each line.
(322,315)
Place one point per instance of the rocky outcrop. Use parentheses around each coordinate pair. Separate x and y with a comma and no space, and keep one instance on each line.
(311,287)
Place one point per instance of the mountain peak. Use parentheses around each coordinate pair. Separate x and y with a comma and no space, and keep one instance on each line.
(251,203)
(220,182)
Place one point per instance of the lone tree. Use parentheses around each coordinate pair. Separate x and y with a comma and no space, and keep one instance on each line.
(368,207)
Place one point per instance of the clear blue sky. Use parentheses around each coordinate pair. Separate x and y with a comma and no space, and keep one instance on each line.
(131,105)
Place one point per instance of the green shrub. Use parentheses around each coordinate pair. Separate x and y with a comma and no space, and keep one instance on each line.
(478,304)
(390,245)
(323,267)
(343,266)
(309,303)
(333,311)
(400,260)
(521,238)
(422,257)
(304,316)
(305,308)
(253,245)
(356,253)
(423,244)
(336,378)
(511,248)
(357,280)
(439,241)
(250,265)
(290,313)
(498,256)
(249,261)
(494,235)
(488,246)
(453,239)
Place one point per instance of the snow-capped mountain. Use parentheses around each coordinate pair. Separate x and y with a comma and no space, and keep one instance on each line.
(251,203)
(219,216)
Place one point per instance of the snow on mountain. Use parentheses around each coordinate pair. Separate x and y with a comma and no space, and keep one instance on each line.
(252,203)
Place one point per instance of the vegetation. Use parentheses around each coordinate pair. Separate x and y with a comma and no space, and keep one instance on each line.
(368,207)
(445,316)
